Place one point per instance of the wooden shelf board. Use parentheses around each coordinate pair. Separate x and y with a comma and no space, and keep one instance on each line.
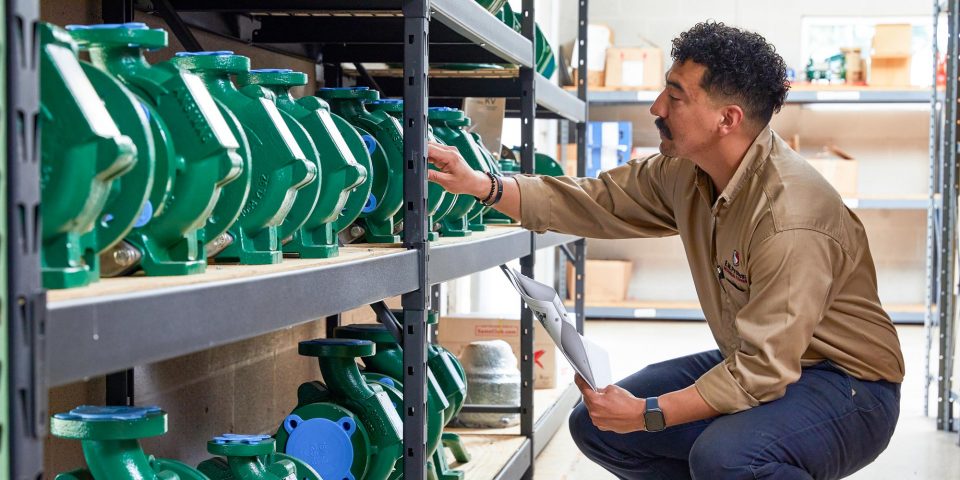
(489,454)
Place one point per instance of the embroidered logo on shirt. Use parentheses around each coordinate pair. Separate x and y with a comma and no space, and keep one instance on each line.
(733,272)
(736,258)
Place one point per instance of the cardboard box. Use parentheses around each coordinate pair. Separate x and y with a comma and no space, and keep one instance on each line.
(634,67)
(890,72)
(606,280)
(455,332)
(594,77)
(892,40)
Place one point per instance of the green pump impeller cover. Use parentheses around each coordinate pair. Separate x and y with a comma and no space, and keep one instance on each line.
(284,160)
(201,148)
(449,126)
(342,173)
(82,152)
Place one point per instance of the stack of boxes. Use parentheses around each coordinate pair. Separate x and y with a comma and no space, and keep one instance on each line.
(890,61)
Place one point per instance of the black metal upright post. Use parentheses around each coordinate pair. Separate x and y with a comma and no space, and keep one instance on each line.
(579,263)
(948,225)
(415,229)
(26,308)
(528,110)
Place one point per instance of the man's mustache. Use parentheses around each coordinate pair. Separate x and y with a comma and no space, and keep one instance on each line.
(662,126)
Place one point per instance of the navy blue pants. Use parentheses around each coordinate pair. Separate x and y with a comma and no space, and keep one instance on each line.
(827,425)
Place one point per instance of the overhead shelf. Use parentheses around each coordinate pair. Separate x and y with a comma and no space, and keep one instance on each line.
(370,30)
(636,310)
(796,96)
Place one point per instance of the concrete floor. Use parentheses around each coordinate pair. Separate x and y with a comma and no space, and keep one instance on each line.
(917,450)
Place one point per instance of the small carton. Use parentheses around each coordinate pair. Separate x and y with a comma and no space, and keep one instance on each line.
(634,67)
(605,280)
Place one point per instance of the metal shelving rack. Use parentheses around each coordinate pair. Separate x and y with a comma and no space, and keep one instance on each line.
(78,336)
(941,301)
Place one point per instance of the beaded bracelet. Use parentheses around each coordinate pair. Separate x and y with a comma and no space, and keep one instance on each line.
(493,189)
(487,202)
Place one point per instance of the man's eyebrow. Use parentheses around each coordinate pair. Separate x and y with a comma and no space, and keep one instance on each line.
(676,85)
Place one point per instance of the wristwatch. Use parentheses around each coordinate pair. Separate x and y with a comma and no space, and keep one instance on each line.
(653,417)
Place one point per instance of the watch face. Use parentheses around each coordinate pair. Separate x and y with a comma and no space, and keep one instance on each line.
(653,421)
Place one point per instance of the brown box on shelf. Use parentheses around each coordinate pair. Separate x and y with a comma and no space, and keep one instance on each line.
(839,168)
(889,71)
(606,280)
(892,40)
(569,159)
(457,331)
(634,67)
(594,77)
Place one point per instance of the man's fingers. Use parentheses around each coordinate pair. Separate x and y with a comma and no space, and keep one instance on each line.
(437,176)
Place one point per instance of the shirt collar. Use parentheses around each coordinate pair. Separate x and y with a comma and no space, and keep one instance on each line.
(758,152)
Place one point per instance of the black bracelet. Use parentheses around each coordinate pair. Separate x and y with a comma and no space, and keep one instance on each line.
(499,181)
(493,189)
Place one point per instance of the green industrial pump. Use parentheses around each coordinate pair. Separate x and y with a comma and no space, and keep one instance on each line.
(440,201)
(387,159)
(346,427)
(448,125)
(191,138)
(252,457)
(284,169)
(110,437)
(82,152)
(342,173)
(446,388)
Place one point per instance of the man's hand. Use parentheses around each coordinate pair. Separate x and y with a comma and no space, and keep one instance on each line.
(455,175)
(612,409)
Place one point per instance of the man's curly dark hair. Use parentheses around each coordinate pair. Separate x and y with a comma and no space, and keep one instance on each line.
(740,65)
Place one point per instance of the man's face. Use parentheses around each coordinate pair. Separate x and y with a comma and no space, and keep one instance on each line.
(686,116)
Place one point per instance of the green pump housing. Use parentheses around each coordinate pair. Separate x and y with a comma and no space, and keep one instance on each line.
(252,457)
(386,367)
(110,438)
(198,142)
(82,152)
(387,159)
(285,167)
(440,201)
(342,173)
(448,125)
(129,194)
(346,427)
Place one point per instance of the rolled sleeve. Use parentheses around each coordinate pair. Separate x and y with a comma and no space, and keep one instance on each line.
(630,201)
(794,275)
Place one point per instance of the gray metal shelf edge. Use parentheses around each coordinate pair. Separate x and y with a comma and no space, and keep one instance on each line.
(795,96)
(555,99)
(99,335)
(456,260)
(473,22)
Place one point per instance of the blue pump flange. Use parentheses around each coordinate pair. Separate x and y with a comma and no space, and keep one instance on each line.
(100,26)
(443,109)
(240,438)
(110,413)
(145,215)
(323,444)
(386,101)
(331,89)
(204,54)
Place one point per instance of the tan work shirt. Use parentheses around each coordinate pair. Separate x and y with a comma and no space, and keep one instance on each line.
(781,266)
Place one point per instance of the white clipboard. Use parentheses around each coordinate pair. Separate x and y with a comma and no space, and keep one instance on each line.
(587,358)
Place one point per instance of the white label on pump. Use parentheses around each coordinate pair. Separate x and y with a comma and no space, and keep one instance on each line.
(285,132)
(76,81)
(210,111)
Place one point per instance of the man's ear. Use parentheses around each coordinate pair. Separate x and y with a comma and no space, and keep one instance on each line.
(731,119)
